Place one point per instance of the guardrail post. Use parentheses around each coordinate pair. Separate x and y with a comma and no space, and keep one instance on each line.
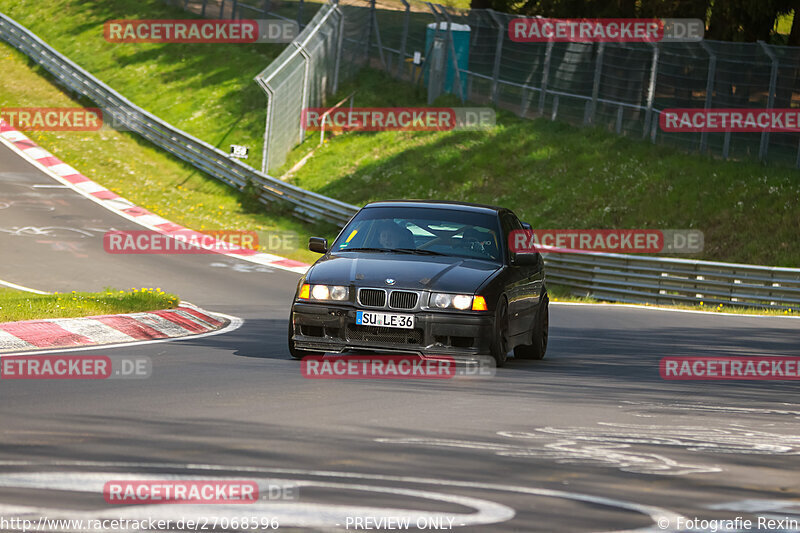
(651,90)
(773,82)
(598,71)
(498,54)
(712,71)
(403,39)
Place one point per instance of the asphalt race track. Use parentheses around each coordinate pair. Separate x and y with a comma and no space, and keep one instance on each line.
(590,439)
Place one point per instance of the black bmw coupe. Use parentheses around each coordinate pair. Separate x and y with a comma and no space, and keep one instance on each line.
(423,277)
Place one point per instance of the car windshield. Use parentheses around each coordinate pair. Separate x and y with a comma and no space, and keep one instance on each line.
(422,231)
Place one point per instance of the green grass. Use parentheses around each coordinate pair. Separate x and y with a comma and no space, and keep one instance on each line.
(206,90)
(559,176)
(19,305)
(552,174)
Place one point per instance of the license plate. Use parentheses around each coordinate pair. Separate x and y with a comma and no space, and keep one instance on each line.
(388,320)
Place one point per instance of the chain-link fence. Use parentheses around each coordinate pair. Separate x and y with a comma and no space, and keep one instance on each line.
(623,87)
(620,86)
(292,10)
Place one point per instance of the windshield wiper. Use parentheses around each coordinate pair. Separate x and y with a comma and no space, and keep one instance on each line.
(417,251)
(366,250)
(394,251)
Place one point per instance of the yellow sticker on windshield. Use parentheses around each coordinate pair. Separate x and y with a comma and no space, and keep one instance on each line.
(353,234)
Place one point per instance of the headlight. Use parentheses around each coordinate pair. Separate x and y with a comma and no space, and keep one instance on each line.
(462,301)
(339,293)
(441,300)
(323,292)
(320,292)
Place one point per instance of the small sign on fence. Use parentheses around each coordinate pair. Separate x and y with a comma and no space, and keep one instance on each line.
(239,152)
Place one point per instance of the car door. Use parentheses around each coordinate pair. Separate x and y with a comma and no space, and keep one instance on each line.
(525,283)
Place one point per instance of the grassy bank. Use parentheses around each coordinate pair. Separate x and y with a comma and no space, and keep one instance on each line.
(20,305)
(552,174)
(559,176)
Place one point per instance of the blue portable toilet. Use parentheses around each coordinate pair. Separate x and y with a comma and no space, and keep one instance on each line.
(461,36)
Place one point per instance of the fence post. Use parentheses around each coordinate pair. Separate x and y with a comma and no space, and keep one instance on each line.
(797,163)
(773,83)
(203,11)
(300,6)
(449,43)
(403,39)
(339,43)
(545,77)
(369,28)
(712,71)
(267,128)
(618,127)
(498,54)
(598,71)
(307,69)
(378,36)
(266,8)
(651,91)
(235,7)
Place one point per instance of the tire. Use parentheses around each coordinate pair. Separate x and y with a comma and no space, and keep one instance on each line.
(294,352)
(499,347)
(539,336)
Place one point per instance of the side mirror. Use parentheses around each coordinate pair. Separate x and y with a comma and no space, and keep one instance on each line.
(525,259)
(318,244)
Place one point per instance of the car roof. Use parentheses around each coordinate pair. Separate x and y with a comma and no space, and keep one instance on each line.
(437,204)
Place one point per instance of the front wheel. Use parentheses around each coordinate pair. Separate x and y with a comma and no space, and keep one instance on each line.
(538,346)
(499,346)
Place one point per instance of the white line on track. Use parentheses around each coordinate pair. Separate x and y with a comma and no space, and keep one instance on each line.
(659,515)
(21,287)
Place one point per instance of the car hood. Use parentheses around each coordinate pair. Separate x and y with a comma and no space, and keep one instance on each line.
(446,274)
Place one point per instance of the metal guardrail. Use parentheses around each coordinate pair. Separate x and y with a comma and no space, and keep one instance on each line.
(305,204)
(628,278)
(665,280)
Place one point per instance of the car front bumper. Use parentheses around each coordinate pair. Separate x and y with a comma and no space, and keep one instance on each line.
(332,328)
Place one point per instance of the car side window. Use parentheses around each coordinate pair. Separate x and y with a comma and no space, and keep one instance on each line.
(507,224)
